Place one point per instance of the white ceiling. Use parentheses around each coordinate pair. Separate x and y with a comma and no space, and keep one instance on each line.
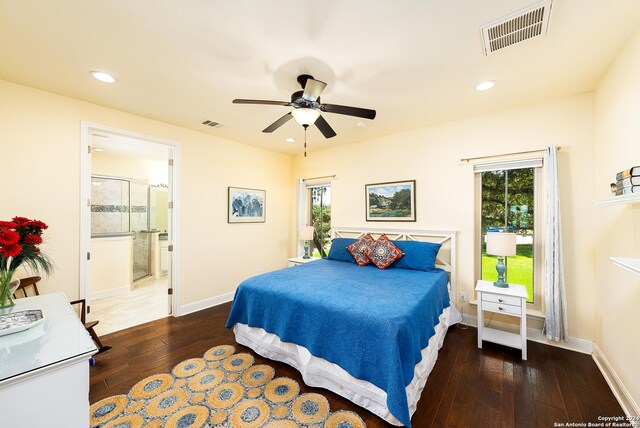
(416,62)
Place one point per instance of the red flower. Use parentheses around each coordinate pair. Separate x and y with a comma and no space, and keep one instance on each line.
(9,237)
(33,239)
(10,250)
(21,221)
(37,224)
(7,225)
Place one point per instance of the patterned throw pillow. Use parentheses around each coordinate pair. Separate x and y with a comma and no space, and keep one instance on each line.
(383,252)
(359,249)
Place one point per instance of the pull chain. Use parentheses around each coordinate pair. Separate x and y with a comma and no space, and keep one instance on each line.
(305,140)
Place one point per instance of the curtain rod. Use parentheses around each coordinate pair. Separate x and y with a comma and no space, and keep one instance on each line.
(318,178)
(505,154)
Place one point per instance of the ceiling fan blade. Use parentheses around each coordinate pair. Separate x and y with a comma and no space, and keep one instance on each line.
(273,103)
(278,123)
(325,128)
(349,111)
(312,89)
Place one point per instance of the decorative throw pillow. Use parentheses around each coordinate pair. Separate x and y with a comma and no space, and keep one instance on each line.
(359,249)
(383,252)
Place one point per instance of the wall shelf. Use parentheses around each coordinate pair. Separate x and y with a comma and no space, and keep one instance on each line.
(627,263)
(633,198)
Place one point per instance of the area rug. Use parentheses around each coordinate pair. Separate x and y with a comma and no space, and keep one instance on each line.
(222,389)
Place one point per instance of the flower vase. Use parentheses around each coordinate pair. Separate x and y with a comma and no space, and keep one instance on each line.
(7,288)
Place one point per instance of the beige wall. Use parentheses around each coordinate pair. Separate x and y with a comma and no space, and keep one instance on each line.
(617,147)
(445,187)
(40,143)
(153,171)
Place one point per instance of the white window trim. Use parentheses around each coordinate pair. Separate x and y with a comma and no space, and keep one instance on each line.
(510,164)
(537,307)
(304,208)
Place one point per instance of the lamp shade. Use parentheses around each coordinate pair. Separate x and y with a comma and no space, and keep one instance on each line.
(306,233)
(305,116)
(501,244)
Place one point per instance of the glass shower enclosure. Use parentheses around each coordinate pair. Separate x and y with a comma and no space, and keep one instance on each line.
(140,228)
(121,207)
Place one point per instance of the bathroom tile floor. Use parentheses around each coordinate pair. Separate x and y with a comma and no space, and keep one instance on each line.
(143,304)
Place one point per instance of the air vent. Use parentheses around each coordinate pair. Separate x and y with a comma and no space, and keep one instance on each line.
(524,25)
(212,124)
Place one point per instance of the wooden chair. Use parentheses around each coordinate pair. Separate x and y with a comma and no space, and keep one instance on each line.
(32,281)
(90,325)
(27,282)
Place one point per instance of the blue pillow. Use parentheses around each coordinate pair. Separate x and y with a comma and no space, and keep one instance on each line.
(417,255)
(339,250)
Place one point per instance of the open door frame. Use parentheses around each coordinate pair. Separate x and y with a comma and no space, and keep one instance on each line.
(173,148)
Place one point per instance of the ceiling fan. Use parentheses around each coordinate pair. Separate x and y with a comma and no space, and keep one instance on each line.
(307,107)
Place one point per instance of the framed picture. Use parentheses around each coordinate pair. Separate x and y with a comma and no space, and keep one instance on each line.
(395,201)
(246,205)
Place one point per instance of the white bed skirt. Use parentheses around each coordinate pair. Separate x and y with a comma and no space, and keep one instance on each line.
(318,372)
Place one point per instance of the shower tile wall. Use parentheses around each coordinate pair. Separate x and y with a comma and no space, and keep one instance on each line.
(109,205)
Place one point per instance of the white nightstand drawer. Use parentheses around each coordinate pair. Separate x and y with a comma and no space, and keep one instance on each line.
(496,298)
(501,308)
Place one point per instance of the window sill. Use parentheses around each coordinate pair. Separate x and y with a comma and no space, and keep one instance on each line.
(531,313)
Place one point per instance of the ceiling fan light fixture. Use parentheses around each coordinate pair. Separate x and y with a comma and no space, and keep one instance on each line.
(305,116)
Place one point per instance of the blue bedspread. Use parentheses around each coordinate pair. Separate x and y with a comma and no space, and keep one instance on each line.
(373,323)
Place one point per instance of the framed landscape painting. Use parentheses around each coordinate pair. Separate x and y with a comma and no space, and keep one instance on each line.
(395,201)
(246,205)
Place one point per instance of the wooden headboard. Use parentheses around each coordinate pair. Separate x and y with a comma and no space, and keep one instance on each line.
(446,259)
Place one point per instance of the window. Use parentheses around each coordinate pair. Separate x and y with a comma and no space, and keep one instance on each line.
(320,218)
(509,202)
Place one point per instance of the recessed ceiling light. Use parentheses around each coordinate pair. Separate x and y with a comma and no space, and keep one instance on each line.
(290,140)
(360,124)
(98,150)
(103,77)
(485,86)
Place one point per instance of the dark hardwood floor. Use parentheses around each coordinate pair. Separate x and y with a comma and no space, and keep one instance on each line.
(468,387)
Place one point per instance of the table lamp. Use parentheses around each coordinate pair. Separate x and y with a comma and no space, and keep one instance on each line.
(306,235)
(501,245)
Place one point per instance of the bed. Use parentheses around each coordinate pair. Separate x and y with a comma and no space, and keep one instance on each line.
(369,335)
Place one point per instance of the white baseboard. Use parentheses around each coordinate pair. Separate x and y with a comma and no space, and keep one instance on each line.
(110,292)
(206,303)
(583,346)
(621,393)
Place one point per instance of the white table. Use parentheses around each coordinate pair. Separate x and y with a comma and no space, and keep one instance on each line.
(295,261)
(510,301)
(44,371)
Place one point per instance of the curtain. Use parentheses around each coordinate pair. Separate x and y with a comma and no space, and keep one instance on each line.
(302,213)
(555,326)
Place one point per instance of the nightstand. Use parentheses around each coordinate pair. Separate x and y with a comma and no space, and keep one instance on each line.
(295,261)
(510,301)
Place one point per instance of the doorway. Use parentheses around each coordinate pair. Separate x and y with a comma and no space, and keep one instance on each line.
(128,193)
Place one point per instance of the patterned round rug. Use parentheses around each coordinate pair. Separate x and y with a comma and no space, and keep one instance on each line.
(221,389)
